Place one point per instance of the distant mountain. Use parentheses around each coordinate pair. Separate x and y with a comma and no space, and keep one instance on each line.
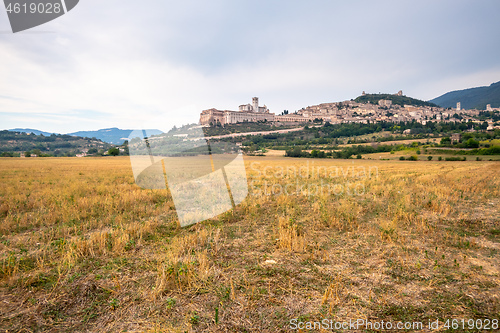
(396,99)
(111,135)
(30,130)
(473,98)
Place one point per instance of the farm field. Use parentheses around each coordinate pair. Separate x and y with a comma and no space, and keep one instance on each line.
(394,142)
(424,156)
(84,249)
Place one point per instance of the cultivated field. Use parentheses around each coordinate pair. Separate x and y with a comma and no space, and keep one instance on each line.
(83,249)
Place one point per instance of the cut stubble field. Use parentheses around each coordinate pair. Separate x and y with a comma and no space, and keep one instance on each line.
(84,249)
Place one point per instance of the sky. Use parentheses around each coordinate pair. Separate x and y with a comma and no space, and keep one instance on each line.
(157,63)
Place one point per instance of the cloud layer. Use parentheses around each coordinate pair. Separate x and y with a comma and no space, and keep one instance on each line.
(120,64)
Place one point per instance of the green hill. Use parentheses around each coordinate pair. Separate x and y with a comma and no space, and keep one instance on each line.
(13,143)
(473,98)
(398,100)
(31,130)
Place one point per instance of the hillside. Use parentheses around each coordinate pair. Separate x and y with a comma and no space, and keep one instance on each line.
(473,98)
(31,130)
(244,128)
(111,135)
(398,100)
(53,145)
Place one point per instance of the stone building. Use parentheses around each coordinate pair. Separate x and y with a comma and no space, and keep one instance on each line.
(212,117)
(290,118)
(247,112)
(385,102)
(456,137)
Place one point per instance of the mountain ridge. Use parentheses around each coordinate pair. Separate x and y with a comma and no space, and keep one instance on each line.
(471,98)
(112,135)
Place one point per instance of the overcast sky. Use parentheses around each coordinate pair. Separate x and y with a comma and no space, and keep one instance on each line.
(118,63)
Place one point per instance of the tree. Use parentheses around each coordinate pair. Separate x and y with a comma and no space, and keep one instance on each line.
(446,141)
(114,151)
(295,152)
(467,136)
(125,148)
(471,143)
(429,158)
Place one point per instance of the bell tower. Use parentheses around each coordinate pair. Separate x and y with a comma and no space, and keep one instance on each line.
(255,103)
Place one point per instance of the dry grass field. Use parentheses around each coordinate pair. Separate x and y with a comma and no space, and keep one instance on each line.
(83,249)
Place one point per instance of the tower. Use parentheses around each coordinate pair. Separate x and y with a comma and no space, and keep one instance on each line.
(459,106)
(255,103)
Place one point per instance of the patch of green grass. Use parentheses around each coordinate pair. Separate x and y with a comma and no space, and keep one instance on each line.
(495,232)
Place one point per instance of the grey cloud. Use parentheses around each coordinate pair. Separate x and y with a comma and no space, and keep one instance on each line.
(220,53)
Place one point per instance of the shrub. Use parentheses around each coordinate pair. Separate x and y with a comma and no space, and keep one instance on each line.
(446,141)
(317,154)
(471,143)
(402,158)
(495,150)
(440,158)
(114,151)
(413,158)
(295,152)
(429,158)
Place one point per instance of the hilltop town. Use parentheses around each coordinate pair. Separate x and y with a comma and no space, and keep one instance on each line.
(367,108)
